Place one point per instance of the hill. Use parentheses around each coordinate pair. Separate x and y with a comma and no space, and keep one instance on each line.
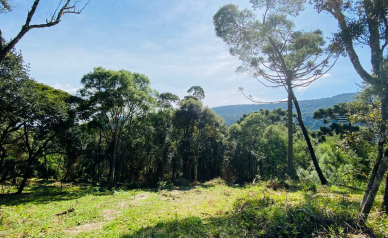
(233,113)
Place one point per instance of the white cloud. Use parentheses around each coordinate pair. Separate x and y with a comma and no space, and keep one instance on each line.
(301,90)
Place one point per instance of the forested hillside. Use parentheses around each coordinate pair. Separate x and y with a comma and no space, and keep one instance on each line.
(233,113)
(125,154)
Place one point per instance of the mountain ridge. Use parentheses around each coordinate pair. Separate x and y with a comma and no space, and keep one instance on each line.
(232,113)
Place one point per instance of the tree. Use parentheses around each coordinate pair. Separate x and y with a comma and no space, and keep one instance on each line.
(17,103)
(255,148)
(293,58)
(338,119)
(365,22)
(52,115)
(115,98)
(198,140)
(69,6)
(184,121)
(165,100)
(197,91)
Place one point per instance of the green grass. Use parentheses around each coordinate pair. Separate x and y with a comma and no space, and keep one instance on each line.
(212,209)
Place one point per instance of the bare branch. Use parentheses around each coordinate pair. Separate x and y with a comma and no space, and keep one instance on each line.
(54,20)
(261,102)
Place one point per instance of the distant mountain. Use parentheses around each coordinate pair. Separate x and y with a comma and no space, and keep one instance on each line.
(233,113)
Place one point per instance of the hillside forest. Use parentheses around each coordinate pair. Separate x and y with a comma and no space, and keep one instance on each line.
(117,132)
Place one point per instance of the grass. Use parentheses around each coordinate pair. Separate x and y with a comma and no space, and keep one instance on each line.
(211,209)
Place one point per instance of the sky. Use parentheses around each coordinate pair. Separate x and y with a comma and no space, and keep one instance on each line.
(172,42)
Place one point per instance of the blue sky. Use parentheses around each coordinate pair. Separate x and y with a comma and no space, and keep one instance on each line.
(171,41)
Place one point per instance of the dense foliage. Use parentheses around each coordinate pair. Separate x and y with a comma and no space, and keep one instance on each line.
(118,131)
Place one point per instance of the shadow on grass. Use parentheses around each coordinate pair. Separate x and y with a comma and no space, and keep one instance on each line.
(45,194)
(184,187)
(188,227)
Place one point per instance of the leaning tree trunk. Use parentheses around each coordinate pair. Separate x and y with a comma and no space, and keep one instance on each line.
(290,159)
(26,175)
(381,164)
(385,198)
(308,141)
(365,210)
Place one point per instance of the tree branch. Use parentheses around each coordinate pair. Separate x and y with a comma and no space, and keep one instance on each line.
(66,8)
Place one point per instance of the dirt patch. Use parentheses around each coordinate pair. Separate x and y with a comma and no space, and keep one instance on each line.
(123,204)
(85,227)
(109,214)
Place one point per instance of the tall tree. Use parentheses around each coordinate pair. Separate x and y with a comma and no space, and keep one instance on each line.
(257,149)
(365,22)
(270,49)
(166,100)
(197,91)
(17,100)
(64,7)
(184,121)
(115,98)
(52,115)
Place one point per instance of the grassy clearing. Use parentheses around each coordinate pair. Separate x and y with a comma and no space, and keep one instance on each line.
(212,209)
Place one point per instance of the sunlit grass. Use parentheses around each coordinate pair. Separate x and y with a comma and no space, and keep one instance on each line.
(213,209)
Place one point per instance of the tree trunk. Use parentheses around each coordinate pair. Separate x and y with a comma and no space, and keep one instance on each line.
(385,199)
(46,166)
(290,159)
(380,148)
(3,154)
(113,167)
(195,169)
(372,177)
(375,187)
(307,138)
(26,175)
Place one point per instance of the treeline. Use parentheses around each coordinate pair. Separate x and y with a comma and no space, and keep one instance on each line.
(118,131)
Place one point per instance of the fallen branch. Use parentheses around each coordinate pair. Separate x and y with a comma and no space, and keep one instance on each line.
(349,226)
(65,212)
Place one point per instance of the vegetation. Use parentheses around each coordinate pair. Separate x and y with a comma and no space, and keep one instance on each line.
(365,22)
(271,49)
(207,210)
(121,159)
